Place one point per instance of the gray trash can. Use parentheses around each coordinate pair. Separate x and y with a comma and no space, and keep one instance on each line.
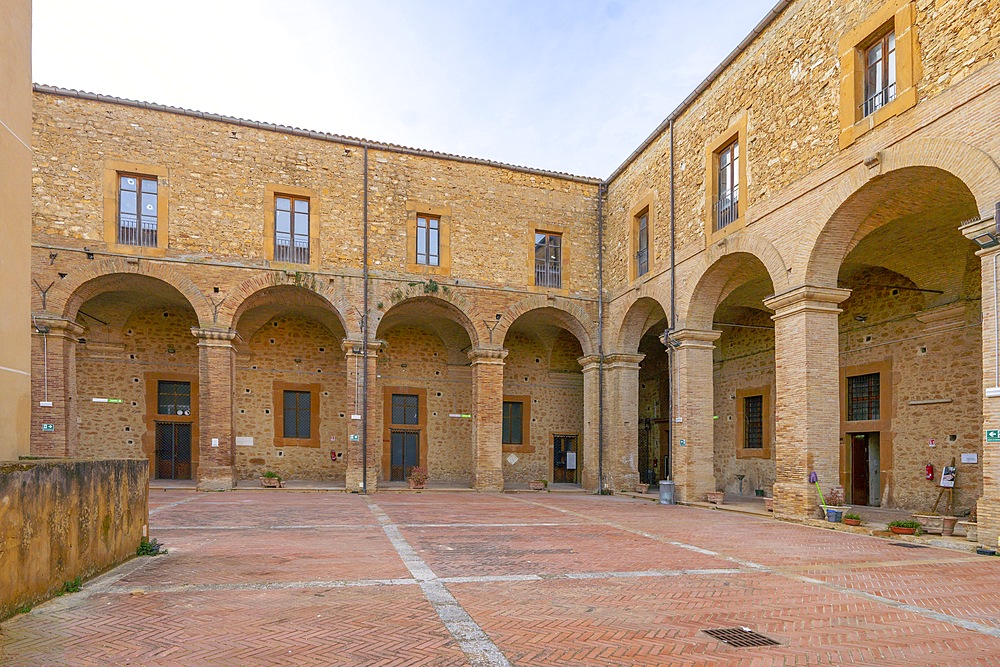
(666,492)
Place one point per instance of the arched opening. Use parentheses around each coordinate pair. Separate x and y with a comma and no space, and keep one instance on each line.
(910,340)
(424,381)
(292,406)
(137,374)
(543,424)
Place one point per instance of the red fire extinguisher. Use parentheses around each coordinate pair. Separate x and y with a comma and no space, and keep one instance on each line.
(929,470)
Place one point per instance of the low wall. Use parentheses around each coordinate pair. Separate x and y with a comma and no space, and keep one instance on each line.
(61,519)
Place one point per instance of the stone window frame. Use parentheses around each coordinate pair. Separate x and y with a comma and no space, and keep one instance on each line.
(898,16)
(764,452)
(644,206)
(148,440)
(525,447)
(271,192)
(415,209)
(736,132)
(388,426)
(113,170)
(564,250)
(278,409)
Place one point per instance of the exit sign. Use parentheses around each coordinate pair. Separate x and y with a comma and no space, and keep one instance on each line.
(992,435)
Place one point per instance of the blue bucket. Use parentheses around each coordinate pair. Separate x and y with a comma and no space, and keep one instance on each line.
(834,516)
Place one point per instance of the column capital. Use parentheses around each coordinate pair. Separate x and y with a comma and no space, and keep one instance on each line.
(214,337)
(622,360)
(480,355)
(352,347)
(589,362)
(56,325)
(807,298)
(692,338)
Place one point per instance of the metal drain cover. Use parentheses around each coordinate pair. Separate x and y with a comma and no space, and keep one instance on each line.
(741,637)
(906,545)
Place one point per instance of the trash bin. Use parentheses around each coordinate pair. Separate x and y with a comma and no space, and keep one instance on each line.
(666,492)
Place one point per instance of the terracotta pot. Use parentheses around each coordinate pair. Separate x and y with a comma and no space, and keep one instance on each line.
(902,531)
(769,504)
(930,523)
(536,485)
(852,522)
(948,525)
(270,482)
(415,484)
(716,497)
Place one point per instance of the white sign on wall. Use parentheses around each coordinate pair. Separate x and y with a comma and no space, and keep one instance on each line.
(570,460)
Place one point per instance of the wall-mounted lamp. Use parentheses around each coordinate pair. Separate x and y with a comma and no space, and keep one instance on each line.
(990,238)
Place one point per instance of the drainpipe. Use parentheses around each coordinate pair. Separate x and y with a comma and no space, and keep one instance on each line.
(364,335)
(600,338)
(668,473)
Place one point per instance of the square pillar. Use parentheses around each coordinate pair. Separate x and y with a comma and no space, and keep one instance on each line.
(693,441)
(364,455)
(216,425)
(53,380)
(487,425)
(807,401)
(621,447)
(589,476)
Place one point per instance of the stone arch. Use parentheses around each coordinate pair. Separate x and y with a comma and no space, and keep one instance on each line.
(70,294)
(642,313)
(240,299)
(570,316)
(435,292)
(450,309)
(829,235)
(704,289)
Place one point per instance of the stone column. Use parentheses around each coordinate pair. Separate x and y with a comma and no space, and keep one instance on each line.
(216,427)
(357,448)
(621,402)
(53,362)
(591,421)
(807,402)
(693,445)
(487,425)
(988,505)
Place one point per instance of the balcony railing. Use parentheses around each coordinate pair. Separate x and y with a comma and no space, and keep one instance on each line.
(878,100)
(291,250)
(129,233)
(548,273)
(726,210)
(642,262)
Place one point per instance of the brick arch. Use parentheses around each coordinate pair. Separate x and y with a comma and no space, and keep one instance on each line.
(70,294)
(703,290)
(571,316)
(451,300)
(829,233)
(634,323)
(237,302)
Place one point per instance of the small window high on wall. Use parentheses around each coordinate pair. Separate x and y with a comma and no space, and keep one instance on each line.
(863,396)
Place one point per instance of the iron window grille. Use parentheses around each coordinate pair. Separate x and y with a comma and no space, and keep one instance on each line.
(291,229)
(863,396)
(405,409)
(428,240)
(548,260)
(642,256)
(137,210)
(173,398)
(726,206)
(297,414)
(513,423)
(753,422)
(880,74)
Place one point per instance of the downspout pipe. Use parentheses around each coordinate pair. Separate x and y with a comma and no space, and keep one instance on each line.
(600,338)
(364,332)
(668,473)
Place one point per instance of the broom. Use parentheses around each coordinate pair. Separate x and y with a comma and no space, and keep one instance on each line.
(814,479)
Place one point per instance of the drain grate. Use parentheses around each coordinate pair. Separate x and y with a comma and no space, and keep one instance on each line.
(907,546)
(741,637)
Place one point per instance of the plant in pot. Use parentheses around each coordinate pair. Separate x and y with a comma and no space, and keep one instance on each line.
(270,480)
(930,523)
(716,497)
(538,484)
(418,477)
(905,527)
(852,519)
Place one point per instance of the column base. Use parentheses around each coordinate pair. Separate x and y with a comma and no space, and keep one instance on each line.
(353,481)
(795,500)
(988,521)
(490,481)
(216,478)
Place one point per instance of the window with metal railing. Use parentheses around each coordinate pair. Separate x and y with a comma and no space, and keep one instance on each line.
(513,423)
(880,73)
(642,254)
(727,204)
(753,422)
(138,209)
(863,397)
(548,260)
(291,229)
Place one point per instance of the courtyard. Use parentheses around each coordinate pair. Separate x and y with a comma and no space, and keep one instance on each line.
(455,578)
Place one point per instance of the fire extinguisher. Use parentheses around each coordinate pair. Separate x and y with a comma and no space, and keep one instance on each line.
(929,471)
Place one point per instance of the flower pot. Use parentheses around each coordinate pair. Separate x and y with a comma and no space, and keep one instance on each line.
(930,523)
(948,525)
(716,497)
(270,482)
(769,504)
(971,530)
(537,485)
(416,484)
(899,530)
(852,522)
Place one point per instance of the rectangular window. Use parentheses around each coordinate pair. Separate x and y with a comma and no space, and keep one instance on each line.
(753,422)
(405,409)
(173,398)
(880,73)
(513,423)
(137,210)
(297,414)
(863,397)
(291,229)
(548,260)
(642,255)
(428,240)
(727,204)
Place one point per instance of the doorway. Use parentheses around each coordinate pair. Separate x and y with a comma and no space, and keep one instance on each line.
(173,450)
(866,469)
(404,453)
(564,459)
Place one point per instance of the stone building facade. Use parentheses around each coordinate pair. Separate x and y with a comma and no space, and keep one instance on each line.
(793,274)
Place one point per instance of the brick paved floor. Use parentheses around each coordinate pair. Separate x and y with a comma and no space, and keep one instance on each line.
(290,578)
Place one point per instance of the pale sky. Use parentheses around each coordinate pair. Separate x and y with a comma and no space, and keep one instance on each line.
(566,85)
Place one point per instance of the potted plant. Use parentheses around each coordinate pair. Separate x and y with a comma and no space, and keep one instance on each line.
(716,497)
(948,525)
(418,477)
(270,480)
(905,527)
(852,519)
(930,523)
(538,484)
(641,488)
